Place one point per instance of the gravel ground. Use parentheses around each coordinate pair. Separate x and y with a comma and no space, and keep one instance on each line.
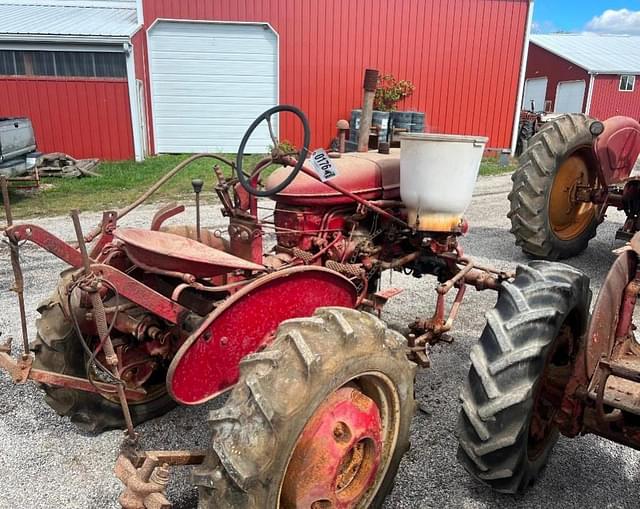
(45,462)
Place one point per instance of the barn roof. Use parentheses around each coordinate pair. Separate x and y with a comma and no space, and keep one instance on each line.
(604,54)
(42,19)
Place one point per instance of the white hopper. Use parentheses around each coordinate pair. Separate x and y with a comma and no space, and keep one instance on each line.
(437,176)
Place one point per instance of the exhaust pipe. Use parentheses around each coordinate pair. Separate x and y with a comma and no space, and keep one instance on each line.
(370,84)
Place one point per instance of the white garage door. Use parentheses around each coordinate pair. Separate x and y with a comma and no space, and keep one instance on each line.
(570,97)
(209,81)
(535,89)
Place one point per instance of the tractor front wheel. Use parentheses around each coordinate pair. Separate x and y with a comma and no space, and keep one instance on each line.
(547,218)
(319,419)
(519,370)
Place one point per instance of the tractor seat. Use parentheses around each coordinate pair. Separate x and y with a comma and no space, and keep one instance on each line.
(369,175)
(173,253)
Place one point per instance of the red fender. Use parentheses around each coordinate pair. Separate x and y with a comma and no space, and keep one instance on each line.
(604,318)
(208,362)
(617,149)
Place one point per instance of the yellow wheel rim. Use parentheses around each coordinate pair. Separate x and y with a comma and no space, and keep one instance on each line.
(568,217)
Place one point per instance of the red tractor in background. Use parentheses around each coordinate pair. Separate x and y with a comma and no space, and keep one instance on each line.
(573,170)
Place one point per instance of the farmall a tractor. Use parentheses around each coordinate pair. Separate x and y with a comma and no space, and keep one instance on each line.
(321,391)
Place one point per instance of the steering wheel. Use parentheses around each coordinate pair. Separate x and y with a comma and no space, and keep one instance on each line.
(277,155)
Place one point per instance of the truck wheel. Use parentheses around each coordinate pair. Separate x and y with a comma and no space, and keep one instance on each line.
(519,369)
(319,419)
(58,349)
(546,219)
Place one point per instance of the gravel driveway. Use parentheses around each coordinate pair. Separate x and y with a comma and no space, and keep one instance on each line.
(45,462)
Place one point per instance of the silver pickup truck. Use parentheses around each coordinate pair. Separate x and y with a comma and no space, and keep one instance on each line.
(18,154)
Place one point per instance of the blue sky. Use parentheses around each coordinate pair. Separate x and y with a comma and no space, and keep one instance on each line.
(606,16)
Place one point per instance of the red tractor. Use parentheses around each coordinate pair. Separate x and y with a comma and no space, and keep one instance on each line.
(573,170)
(321,394)
(522,392)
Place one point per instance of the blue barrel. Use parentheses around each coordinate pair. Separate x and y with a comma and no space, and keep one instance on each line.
(405,117)
(403,125)
(381,119)
(417,117)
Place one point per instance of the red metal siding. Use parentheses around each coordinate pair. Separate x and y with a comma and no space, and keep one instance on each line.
(541,63)
(464,56)
(84,118)
(607,100)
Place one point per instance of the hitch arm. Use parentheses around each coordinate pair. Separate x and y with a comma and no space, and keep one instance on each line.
(20,371)
(47,241)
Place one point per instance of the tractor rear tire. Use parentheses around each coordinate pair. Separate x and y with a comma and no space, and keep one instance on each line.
(281,392)
(57,348)
(545,307)
(546,228)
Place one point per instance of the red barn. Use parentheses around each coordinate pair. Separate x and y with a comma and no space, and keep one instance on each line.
(584,73)
(192,74)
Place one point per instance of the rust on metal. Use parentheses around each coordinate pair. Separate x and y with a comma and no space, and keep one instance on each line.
(141,294)
(338,454)
(20,371)
(605,315)
(144,486)
(173,458)
(102,328)
(170,252)
(168,211)
(145,476)
(47,241)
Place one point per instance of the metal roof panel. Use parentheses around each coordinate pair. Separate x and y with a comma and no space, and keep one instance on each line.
(604,54)
(67,20)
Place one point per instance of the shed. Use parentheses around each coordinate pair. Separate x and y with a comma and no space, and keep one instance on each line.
(67,64)
(584,73)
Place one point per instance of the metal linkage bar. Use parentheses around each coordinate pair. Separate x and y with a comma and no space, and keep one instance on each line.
(100,318)
(17,269)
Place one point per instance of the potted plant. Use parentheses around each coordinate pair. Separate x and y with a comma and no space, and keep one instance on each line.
(390,92)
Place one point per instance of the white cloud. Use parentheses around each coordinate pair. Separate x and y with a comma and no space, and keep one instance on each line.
(622,21)
(543,27)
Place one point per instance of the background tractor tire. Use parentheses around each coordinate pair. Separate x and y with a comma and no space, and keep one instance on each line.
(279,392)
(544,220)
(526,132)
(546,305)
(58,349)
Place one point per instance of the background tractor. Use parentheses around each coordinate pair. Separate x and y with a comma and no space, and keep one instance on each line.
(573,170)
(522,393)
(588,379)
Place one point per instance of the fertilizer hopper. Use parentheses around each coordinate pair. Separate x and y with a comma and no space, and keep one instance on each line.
(437,176)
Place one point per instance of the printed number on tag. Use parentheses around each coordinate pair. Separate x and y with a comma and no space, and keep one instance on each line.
(323,165)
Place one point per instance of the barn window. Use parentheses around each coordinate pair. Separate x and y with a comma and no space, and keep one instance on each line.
(84,64)
(627,83)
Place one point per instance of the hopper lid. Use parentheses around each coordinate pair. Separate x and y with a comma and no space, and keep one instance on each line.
(444,137)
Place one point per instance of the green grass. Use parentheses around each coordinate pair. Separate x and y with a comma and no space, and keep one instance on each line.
(491,166)
(123,181)
(120,183)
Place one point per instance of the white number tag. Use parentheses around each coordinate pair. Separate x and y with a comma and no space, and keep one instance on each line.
(323,165)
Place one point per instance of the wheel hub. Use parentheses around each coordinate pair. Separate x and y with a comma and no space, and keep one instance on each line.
(338,455)
(548,400)
(569,217)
